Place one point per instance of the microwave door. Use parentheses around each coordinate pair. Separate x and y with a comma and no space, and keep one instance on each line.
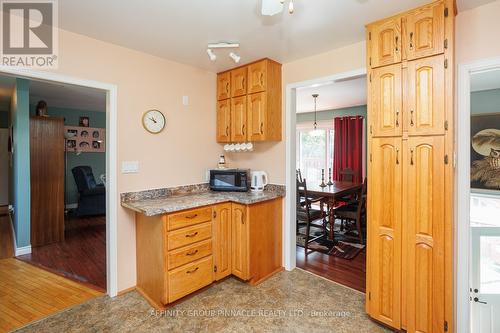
(225,180)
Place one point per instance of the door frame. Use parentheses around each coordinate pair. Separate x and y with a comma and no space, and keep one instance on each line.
(111,159)
(289,238)
(462,194)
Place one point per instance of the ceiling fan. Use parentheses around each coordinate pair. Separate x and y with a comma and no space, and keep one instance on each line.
(273,7)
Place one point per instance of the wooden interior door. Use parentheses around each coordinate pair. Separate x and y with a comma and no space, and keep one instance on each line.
(239,242)
(384,40)
(426,94)
(425,238)
(257,115)
(222,240)
(224,121)
(386,101)
(239,82)
(257,77)
(223,86)
(384,231)
(47,180)
(425,31)
(238,119)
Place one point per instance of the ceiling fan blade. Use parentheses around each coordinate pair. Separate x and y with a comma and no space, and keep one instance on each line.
(271,7)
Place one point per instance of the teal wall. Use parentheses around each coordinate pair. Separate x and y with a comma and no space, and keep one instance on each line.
(97,161)
(21,162)
(486,101)
(4,119)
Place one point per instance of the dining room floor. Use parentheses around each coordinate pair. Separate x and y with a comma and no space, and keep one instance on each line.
(295,301)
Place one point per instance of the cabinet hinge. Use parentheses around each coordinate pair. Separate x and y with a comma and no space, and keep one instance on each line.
(445,63)
(446,125)
(371,131)
(215,268)
(370,61)
(370,157)
(446,43)
(446,159)
(370,35)
(446,12)
(446,326)
(215,214)
(369,295)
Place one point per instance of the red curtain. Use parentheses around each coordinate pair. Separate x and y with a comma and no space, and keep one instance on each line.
(348,146)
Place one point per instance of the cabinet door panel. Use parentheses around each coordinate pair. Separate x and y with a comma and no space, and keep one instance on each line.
(239,119)
(222,241)
(239,82)
(223,86)
(426,96)
(257,77)
(385,42)
(386,101)
(240,242)
(257,113)
(224,121)
(426,188)
(425,31)
(384,231)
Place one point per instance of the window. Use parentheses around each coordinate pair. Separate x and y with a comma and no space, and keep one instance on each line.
(314,150)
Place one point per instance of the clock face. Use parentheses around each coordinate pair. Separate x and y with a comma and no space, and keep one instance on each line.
(153,121)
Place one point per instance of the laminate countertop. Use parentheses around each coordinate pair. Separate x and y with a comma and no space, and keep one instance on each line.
(170,204)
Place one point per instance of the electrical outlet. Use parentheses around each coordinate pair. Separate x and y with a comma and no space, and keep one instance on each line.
(130,166)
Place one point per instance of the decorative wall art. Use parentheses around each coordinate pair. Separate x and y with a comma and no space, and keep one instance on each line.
(485,152)
(85,139)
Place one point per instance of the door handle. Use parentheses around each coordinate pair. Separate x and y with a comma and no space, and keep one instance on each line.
(478,301)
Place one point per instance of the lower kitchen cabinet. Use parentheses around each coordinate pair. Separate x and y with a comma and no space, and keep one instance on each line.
(182,252)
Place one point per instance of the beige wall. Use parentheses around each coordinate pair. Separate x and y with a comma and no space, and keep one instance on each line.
(179,155)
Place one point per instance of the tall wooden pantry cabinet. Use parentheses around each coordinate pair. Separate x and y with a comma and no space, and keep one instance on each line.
(410,62)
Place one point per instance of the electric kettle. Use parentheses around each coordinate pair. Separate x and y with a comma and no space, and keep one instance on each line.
(259,181)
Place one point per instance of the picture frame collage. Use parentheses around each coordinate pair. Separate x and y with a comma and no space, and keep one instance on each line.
(86,139)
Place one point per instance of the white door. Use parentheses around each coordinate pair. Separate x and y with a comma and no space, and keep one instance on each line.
(4,167)
(485,263)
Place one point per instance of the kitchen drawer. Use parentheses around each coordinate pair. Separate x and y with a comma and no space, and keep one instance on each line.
(189,253)
(189,235)
(187,279)
(189,217)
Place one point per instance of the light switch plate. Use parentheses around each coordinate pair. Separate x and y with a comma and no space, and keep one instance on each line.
(185,100)
(130,166)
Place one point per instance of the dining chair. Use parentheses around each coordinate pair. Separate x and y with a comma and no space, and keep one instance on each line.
(347,175)
(354,212)
(307,215)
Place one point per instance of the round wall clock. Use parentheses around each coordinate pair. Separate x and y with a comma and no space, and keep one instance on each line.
(153,121)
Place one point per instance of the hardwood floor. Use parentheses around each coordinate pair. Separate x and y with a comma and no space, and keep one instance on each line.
(6,237)
(28,293)
(351,273)
(80,257)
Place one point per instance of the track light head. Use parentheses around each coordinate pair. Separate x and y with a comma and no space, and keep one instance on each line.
(236,58)
(211,55)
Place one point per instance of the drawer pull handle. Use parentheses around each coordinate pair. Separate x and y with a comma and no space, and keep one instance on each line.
(192,270)
(191,216)
(192,253)
(192,235)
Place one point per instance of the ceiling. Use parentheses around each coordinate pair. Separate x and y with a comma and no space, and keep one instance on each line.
(333,95)
(56,95)
(485,81)
(180,29)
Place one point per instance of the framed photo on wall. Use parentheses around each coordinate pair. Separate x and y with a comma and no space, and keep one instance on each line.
(84,122)
(485,152)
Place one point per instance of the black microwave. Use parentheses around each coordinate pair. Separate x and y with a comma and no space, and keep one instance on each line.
(236,180)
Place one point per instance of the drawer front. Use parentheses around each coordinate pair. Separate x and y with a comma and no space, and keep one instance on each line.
(188,254)
(187,279)
(189,235)
(190,217)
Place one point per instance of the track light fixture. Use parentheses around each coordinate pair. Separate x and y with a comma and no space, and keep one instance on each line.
(236,58)
(211,55)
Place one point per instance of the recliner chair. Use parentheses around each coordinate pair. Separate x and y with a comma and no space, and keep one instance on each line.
(92,200)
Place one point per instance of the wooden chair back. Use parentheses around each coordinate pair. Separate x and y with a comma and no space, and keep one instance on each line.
(347,175)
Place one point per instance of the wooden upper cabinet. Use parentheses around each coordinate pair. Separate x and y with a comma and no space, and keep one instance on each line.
(224,121)
(386,101)
(239,119)
(239,82)
(426,93)
(384,40)
(222,240)
(240,242)
(425,234)
(384,231)
(425,31)
(257,113)
(257,77)
(223,86)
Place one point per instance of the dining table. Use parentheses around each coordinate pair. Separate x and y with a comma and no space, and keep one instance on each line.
(332,194)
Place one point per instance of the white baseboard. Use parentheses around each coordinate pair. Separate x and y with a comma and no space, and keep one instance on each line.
(23,250)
